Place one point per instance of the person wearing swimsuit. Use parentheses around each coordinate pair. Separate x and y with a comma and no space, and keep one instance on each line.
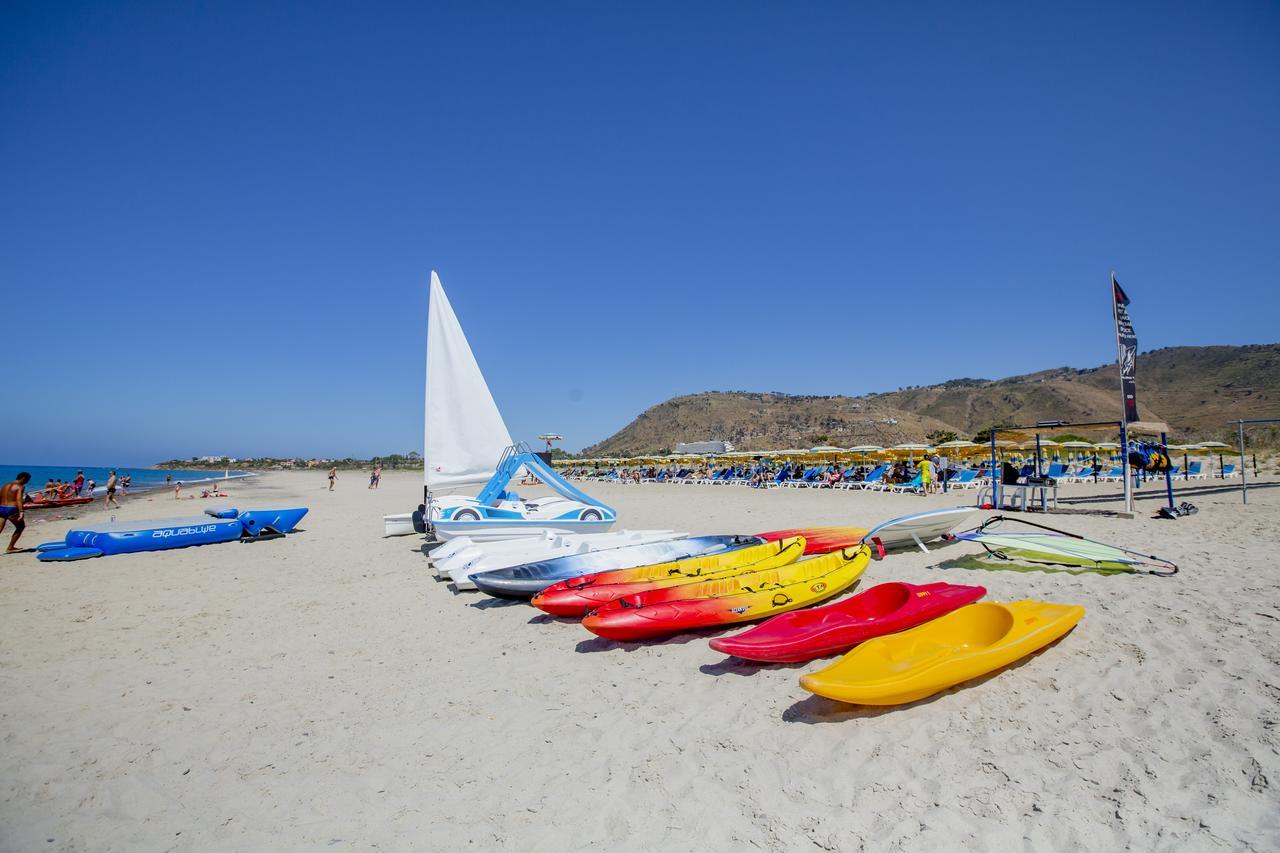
(11,497)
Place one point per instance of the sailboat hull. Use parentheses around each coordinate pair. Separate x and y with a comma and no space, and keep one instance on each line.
(490,530)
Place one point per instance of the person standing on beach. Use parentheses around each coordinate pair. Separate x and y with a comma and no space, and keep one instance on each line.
(78,483)
(12,494)
(111,490)
(333,475)
(926,475)
(376,477)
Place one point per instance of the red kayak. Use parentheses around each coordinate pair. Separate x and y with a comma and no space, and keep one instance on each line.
(820,540)
(821,631)
(55,502)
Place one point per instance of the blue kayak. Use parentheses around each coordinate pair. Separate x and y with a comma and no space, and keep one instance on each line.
(528,580)
(129,537)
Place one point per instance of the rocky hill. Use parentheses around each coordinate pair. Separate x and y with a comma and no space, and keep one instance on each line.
(1196,390)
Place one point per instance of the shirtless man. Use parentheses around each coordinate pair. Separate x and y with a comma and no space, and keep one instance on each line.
(333,475)
(111,490)
(11,497)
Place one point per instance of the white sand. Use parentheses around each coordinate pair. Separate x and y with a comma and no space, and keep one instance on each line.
(325,690)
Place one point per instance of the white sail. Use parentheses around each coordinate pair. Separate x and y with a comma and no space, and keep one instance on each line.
(464,434)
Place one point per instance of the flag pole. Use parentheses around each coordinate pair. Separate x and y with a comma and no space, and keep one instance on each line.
(1124,419)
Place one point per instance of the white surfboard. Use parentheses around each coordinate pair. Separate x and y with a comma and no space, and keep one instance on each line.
(920,528)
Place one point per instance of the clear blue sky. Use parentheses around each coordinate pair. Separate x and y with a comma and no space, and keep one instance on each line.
(217,220)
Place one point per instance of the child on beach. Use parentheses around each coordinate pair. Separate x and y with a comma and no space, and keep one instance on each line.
(333,475)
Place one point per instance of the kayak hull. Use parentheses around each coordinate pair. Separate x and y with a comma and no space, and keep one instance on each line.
(965,644)
(820,540)
(715,603)
(920,527)
(822,631)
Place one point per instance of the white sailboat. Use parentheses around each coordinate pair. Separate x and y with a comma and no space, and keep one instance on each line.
(466,442)
(464,435)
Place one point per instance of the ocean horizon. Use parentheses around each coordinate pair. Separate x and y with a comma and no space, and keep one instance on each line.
(143,478)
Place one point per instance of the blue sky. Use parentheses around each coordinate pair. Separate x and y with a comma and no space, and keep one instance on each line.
(218,220)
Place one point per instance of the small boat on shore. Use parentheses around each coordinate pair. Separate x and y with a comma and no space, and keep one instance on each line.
(54,503)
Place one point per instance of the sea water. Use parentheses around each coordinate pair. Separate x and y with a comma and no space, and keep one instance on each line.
(143,478)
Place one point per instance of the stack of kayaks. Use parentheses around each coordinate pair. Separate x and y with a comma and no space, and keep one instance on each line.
(900,642)
(724,601)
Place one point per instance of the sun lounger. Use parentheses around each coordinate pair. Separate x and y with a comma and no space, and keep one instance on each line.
(916,485)
(874,479)
(1115,475)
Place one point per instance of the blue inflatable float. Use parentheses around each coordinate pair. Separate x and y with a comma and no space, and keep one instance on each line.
(128,537)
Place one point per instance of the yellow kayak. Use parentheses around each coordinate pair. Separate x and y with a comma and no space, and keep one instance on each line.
(962,645)
(728,600)
(574,597)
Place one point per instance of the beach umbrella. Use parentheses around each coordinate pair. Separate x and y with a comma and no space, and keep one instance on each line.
(1075,446)
(1219,448)
(912,449)
(864,450)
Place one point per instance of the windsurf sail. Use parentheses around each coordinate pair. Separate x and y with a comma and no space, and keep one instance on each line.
(464,435)
(1058,547)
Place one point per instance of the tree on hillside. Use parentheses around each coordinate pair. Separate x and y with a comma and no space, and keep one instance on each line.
(941,436)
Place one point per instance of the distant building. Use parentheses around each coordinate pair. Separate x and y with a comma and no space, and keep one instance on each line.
(704,447)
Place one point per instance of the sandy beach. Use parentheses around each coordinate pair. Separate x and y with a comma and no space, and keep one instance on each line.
(325,690)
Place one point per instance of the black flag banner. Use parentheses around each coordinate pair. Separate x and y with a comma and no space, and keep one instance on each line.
(1126,352)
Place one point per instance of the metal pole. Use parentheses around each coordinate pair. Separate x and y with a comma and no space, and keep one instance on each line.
(1042,506)
(1244,486)
(1124,465)
(995,475)
(1168,477)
